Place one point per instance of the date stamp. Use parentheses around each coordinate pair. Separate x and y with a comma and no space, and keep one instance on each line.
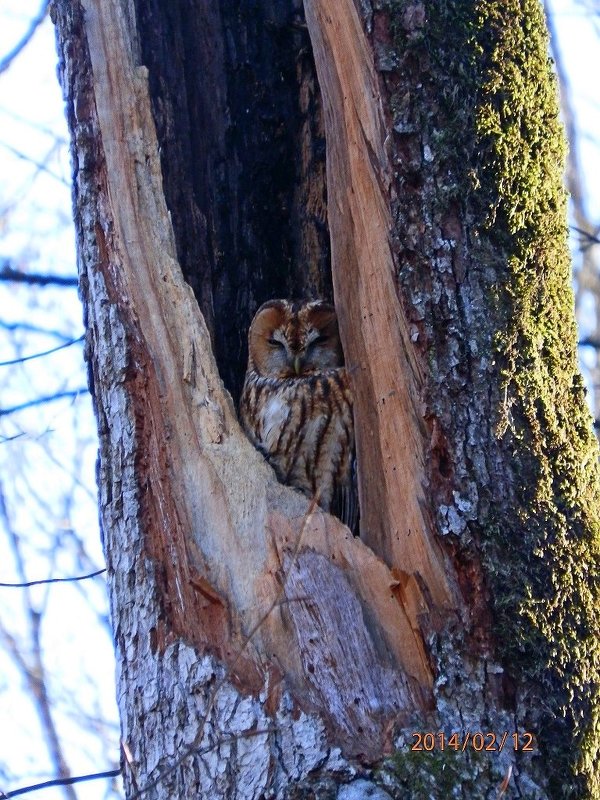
(479,741)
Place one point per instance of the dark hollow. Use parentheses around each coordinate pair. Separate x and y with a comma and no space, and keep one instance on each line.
(238,114)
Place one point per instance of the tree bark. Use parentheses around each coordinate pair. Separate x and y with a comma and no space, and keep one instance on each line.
(262,650)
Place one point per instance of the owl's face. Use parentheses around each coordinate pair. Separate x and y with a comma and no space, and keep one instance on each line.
(288,340)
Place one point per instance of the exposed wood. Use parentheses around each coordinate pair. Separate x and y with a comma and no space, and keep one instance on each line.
(386,372)
(335,632)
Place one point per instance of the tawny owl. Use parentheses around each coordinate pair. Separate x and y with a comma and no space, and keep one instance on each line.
(296,405)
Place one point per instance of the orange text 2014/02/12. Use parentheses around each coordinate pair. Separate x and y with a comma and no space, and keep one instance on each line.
(478,741)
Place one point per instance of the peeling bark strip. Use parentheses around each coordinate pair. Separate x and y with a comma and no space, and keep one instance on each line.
(200,539)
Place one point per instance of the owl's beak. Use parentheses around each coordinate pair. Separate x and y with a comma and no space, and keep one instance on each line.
(297,364)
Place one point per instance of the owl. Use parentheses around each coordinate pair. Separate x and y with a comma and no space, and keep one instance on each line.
(296,404)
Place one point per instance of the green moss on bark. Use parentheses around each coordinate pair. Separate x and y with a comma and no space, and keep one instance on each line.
(545,568)
(490,116)
(436,775)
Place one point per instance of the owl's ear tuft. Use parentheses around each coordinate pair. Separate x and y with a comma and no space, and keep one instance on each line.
(282,305)
(322,316)
(268,317)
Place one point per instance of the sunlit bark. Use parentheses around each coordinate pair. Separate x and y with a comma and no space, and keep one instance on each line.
(262,649)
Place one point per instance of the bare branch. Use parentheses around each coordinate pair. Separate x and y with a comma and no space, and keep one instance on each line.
(40,355)
(53,580)
(26,326)
(35,125)
(111,773)
(33,670)
(22,44)
(7,273)
(41,166)
(589,236)
(587,286)
(74,393)
(6,439)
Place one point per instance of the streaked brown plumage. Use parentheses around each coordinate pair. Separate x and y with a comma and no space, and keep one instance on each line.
(296,404)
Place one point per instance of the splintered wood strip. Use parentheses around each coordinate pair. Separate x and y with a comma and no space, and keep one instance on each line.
(387,375)
(391,614)
(192,518)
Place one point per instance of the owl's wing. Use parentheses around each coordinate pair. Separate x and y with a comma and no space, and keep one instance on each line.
(344,503)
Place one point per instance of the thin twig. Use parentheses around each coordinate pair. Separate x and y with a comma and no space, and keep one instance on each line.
(6,439)
(111,773)
(36,125)
(73,393)
(128,756)
(52,580)
(595,343)
(7,273)
(24,41)
(40,355)
(26,326)
(40,166)
(32,667)
(589,236)
(505,783)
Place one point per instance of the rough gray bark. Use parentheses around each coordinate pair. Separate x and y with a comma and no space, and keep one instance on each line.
(262,650)
(217,562)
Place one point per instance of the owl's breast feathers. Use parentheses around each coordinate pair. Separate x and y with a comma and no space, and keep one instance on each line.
(304,428)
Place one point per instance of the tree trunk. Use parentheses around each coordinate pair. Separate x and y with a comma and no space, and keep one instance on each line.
(263,651)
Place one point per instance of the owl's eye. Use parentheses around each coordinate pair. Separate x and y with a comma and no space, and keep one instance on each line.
(320,340)
(276,343)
